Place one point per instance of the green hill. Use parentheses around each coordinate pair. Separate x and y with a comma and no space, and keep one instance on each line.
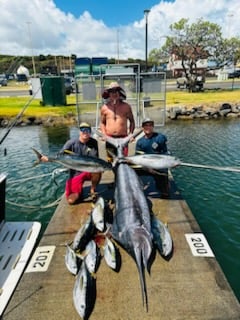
(9,64)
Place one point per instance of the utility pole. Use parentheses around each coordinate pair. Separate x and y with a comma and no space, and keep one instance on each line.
(118,46)
(31,46)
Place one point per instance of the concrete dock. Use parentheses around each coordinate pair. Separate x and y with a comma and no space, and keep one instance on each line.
(182,288)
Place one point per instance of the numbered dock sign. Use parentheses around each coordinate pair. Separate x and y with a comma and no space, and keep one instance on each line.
(41,259)
(199,245)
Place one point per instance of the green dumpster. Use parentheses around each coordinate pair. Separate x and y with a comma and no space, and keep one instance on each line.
(53,91)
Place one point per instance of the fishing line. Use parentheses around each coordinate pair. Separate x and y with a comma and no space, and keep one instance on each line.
(231,169)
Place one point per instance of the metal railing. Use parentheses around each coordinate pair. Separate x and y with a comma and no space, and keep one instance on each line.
(146,93)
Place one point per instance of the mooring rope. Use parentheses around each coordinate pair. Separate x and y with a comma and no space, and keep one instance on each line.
(50,205)
(56,171)
(29,178)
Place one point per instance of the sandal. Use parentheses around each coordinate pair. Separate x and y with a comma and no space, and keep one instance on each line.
(73,198)
(94,196)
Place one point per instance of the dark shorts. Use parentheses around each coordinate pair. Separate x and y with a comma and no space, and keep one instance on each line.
(161,180)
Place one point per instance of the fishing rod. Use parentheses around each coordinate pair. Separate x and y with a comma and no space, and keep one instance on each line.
(9,128)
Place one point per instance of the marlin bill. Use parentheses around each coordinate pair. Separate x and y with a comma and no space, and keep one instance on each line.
(78,163)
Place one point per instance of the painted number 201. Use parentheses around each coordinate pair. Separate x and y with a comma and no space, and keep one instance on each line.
(41,259)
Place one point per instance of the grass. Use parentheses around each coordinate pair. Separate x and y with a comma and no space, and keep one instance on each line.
(11,106)
(206,97)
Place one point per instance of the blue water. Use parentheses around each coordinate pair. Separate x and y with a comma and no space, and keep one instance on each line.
(213,196)
(32,190)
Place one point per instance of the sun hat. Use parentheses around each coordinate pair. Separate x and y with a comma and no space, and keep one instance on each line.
(116,86)
(84,125)
(147,120)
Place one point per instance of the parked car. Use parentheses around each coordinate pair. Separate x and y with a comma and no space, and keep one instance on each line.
(234,74)
(198,82)
(3,80)
(182,82)
(11,76)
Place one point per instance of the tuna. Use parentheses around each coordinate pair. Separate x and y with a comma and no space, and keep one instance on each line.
(154,161)
(84,292)
(161,237)
(72,261)
(110,254)
(84,235)
(78,163)
(92,257)
(98,214)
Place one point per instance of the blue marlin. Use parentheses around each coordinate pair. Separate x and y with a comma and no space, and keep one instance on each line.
(131,226)
(131,223)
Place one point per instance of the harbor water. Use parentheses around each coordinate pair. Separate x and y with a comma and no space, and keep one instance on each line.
(33,191)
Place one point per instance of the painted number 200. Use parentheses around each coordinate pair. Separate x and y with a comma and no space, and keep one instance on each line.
(199,245)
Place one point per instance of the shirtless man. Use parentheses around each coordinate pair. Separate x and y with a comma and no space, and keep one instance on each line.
(115,115)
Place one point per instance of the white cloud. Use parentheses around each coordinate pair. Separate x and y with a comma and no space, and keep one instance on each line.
(55,32)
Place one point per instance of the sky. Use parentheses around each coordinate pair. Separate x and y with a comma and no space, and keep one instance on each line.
(94,28)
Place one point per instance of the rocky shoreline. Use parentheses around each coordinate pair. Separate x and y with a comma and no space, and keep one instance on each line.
(205,112)
(48,121)
(189,112)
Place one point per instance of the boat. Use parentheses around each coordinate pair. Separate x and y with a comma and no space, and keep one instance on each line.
(17,242)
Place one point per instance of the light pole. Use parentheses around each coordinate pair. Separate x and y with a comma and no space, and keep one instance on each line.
(146,12)
(118,46)
(31,46)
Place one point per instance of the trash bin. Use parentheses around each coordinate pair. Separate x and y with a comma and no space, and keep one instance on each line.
(53,91)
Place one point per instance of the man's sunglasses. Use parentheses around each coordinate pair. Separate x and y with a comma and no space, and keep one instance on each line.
(85,130)
(113,90)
